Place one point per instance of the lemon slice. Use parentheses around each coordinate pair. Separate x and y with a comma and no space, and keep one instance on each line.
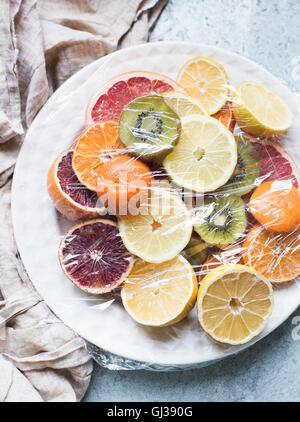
(160,294)
(259,111)
(205,155)
(206,80)
(234,303)
(163,232)
(183,105)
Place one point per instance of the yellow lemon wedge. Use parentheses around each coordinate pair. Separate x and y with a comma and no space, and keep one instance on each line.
(260,111)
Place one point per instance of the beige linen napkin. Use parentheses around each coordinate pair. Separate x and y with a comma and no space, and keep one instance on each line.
(42,43)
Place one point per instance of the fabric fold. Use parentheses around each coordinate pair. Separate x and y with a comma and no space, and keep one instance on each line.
(42,44)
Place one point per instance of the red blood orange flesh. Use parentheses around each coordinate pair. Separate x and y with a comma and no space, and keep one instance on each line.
(93,256)
(108,103)
(276,163)
(69,196)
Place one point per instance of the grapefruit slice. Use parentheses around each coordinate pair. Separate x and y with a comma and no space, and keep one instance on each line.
(93,256)
(109,101)
(70,197)
(275,162)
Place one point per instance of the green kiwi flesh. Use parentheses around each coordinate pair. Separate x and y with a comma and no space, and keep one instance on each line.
(196,251)
(246,171)
(149,127)
(221,219)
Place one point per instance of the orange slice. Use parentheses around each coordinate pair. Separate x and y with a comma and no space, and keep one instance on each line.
(93,148)
(274,255)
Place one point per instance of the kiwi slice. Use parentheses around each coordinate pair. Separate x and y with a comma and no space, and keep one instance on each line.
(221,219)
(196,251)
(246,170)
(149,127)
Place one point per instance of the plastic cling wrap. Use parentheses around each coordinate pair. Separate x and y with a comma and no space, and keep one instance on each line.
(179,207)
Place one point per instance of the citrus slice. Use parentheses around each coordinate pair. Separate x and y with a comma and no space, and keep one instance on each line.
(124,185)
(274,255)
(259,111)
(276,205)
(234,303)
(225,116)
(206,80)
(275,162)
(183,104)
(109,101)
(160,294)
(94,147)
(163,231)
(93,257)
(205,155)
(70,197)
(232,255)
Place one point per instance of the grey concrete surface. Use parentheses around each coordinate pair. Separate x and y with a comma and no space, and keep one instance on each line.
(268,32)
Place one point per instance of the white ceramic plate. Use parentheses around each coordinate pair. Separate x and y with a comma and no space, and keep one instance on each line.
(38,227)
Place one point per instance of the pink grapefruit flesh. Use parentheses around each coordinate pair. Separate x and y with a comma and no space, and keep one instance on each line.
(276,163)
(108,103)
(93,256)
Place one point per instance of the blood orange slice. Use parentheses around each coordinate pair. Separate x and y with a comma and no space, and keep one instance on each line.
(69,196)
(93,256)
(276,163)
(109,101)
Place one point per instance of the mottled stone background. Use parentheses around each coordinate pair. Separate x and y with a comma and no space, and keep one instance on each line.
(268,32)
